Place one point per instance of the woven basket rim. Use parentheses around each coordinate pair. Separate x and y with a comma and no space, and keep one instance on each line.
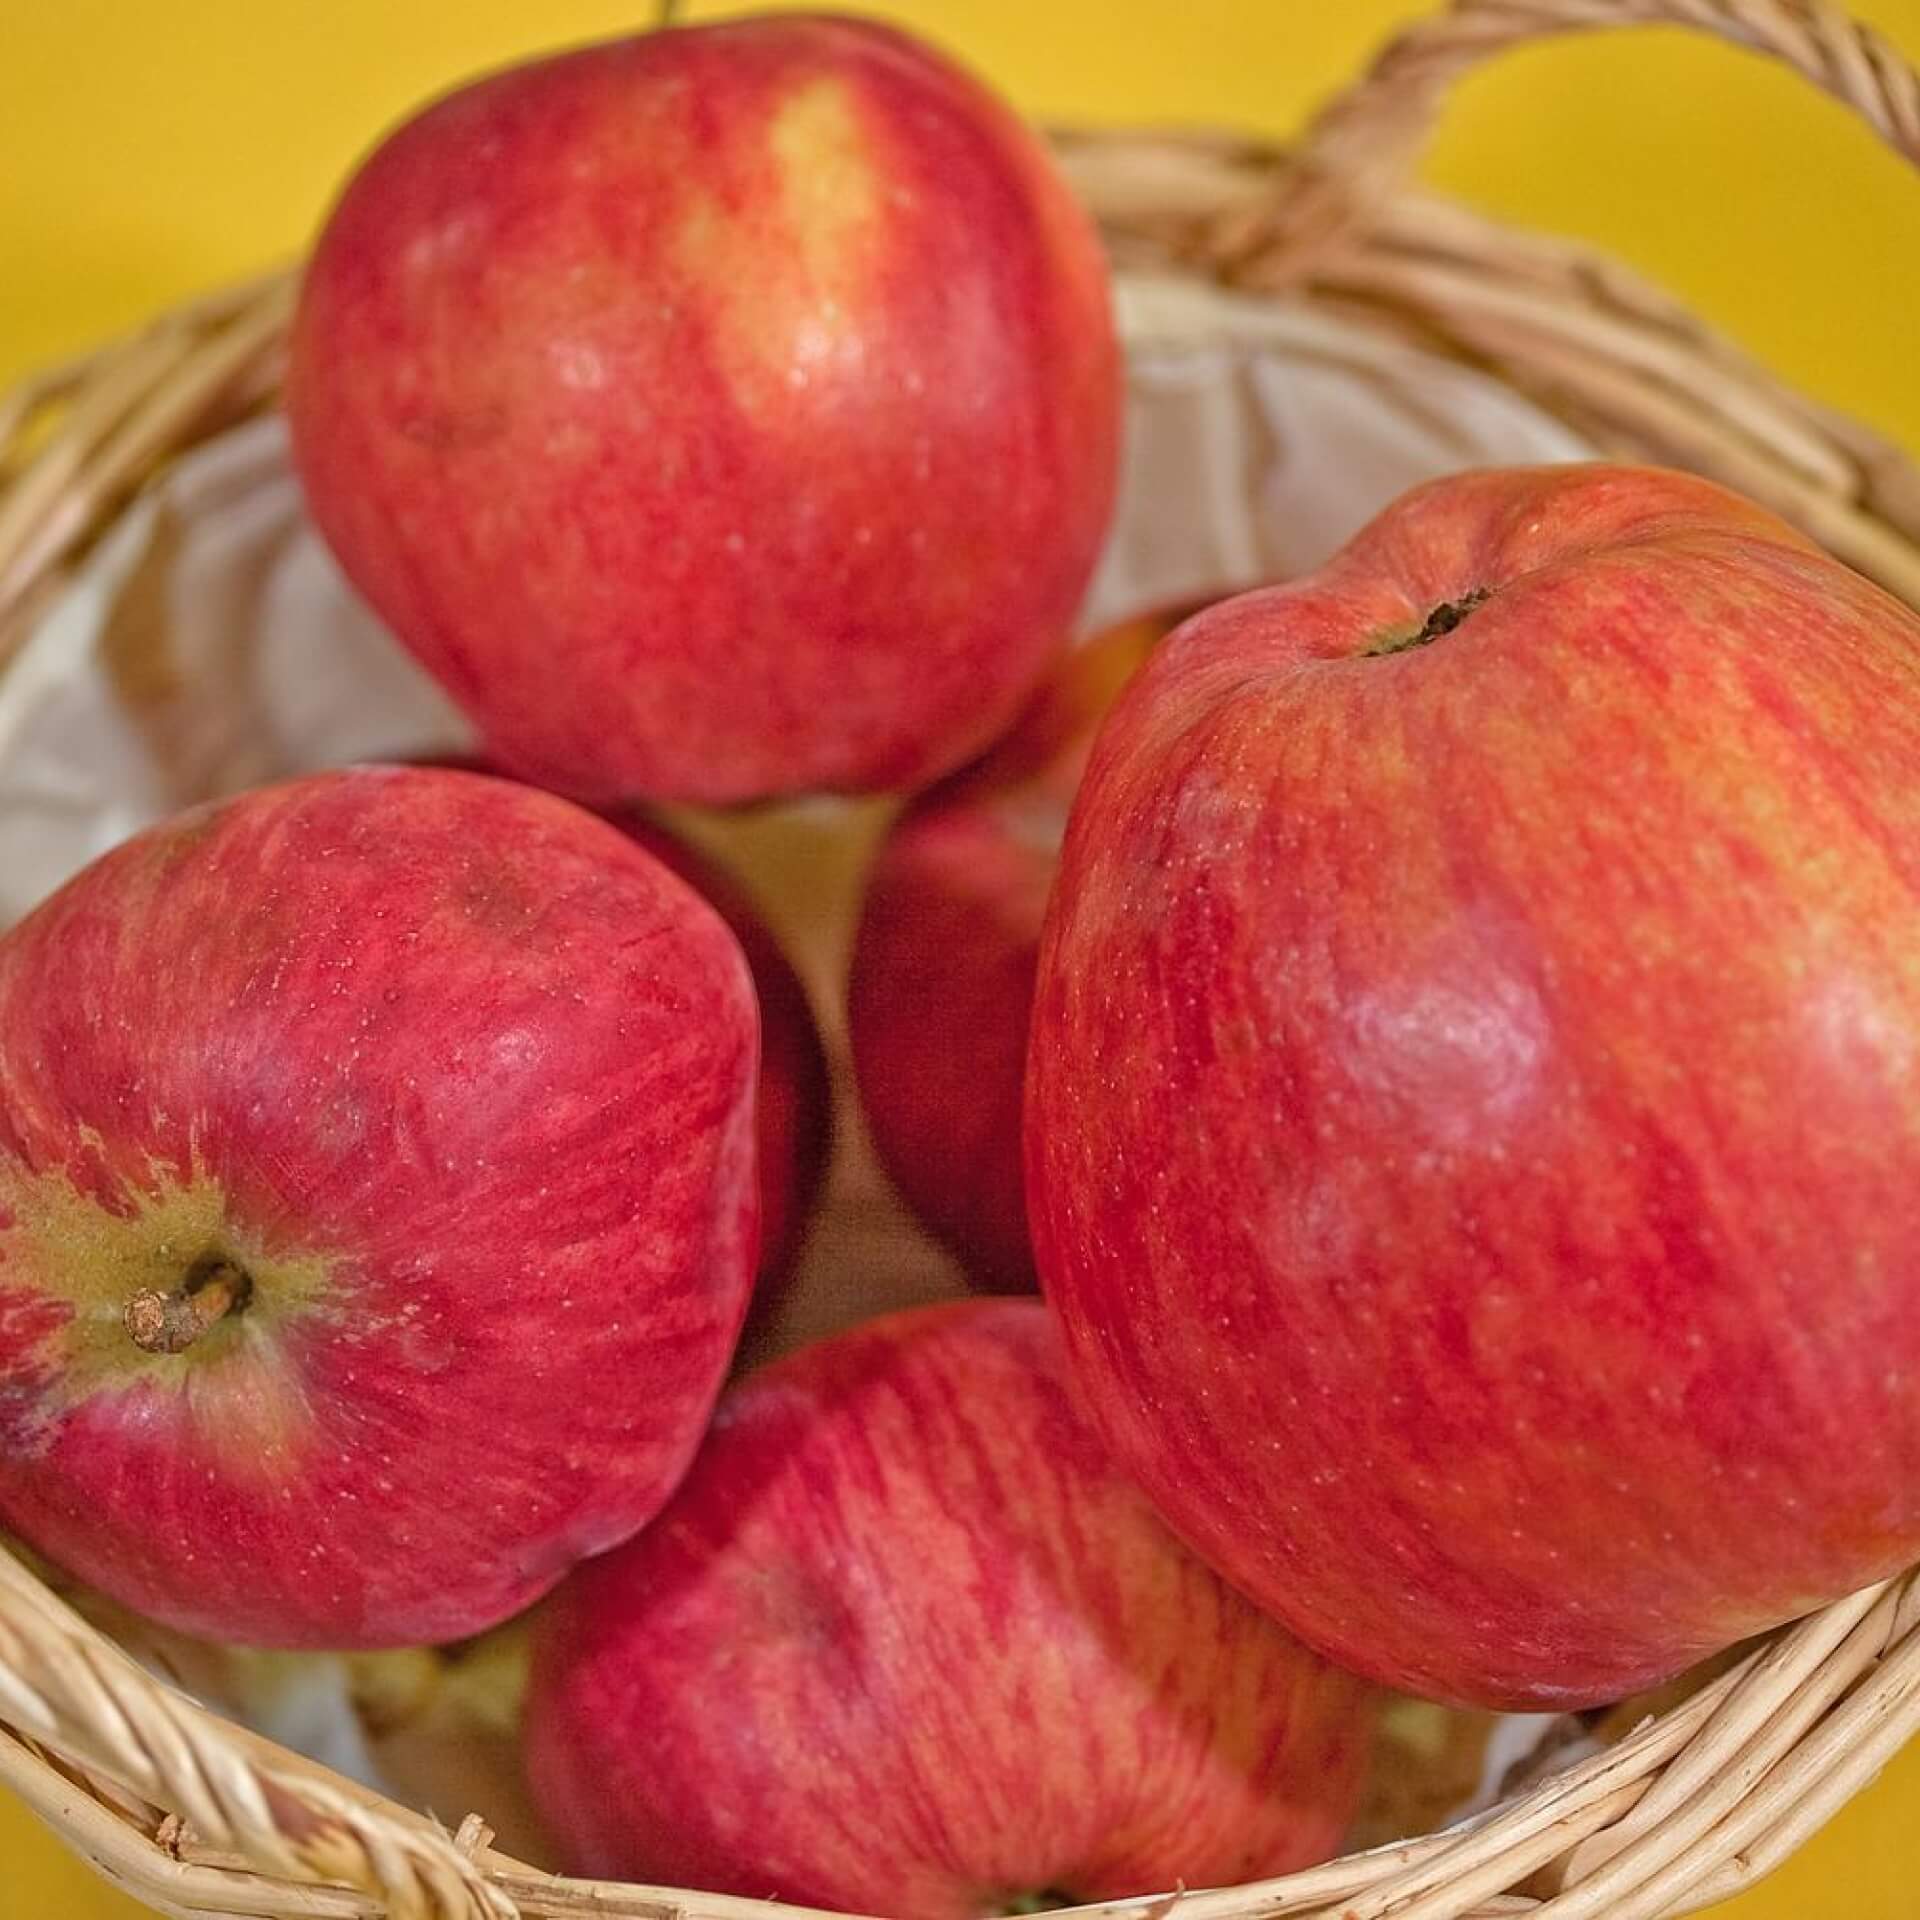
(195,1815)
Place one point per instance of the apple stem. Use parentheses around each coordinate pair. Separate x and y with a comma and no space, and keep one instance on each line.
(171,1322)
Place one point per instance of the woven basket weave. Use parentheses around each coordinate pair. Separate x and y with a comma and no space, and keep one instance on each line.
(198,1817)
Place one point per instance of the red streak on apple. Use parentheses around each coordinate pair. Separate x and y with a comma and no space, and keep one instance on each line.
(719,412)
(793,1103)
(1474,1104)
(793,1097)
(907,1642)
(441,1089)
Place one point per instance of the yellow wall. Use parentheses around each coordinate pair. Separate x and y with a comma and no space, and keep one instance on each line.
(149,148)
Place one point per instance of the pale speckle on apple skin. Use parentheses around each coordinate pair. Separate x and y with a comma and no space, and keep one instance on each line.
(580,365)
(1859,1026)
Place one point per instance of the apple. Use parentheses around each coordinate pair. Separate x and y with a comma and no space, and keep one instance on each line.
(941,985)
(1473,1124)
(908,1642)
(377,1212)
(719,412)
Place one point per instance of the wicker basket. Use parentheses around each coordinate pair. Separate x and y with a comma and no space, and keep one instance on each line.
(198,1817)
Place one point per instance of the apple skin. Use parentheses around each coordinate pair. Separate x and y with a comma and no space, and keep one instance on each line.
(793,1097)
(462,1079)
(907,1642)
(1473,1133)
(718,413)
(940,990)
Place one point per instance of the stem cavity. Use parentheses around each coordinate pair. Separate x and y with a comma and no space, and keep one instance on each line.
(1443,619)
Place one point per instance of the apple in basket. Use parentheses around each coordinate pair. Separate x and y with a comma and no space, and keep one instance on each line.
(718,412)
(907,1642)
(941,986)
(376,1205)
(1474,1101)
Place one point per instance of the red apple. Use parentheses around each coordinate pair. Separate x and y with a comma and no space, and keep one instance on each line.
(907,1642)
(720,412)
(1474,1106)
(376,1206)
(941,986)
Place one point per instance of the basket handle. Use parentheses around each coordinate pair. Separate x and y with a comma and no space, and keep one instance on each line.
(1365,143)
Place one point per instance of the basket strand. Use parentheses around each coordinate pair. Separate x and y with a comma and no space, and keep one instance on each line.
(1686,1809)
(88,1702)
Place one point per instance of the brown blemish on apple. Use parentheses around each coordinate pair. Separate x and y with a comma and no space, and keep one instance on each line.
(496,901)
(169,1237)
(457,430)
(788,1603)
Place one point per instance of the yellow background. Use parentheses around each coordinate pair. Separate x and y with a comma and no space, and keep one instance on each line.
(149,148)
